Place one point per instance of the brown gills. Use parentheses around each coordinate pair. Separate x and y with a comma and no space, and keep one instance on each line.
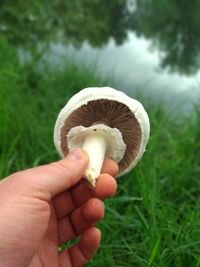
(112,113)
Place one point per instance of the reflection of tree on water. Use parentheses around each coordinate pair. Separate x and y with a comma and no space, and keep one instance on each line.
(131,5)
(73,21)
(173,26)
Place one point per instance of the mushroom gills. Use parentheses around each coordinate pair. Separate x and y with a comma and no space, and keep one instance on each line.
(99,141)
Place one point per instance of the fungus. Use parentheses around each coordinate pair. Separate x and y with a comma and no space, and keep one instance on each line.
(106,123)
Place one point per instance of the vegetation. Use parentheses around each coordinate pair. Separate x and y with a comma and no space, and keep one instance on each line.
(154,218)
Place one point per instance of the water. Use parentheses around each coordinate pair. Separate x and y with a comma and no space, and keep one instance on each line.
(148,46)
(134,68)
(154,48)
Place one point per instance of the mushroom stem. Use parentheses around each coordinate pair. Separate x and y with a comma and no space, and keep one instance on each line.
(95,145)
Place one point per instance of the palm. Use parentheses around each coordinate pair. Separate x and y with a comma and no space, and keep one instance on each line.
(36,219)
(71,214)
(47,254)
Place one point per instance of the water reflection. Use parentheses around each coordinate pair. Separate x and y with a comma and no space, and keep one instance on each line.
(171,26)
(134,69)
(147,45)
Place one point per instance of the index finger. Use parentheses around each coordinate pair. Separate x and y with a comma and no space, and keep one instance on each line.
(106,187)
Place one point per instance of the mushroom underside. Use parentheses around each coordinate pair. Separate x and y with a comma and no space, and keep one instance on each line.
(112,113)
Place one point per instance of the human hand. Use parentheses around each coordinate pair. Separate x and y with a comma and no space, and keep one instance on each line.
(44,207)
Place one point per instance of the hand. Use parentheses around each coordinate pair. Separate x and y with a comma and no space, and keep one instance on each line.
(44,207)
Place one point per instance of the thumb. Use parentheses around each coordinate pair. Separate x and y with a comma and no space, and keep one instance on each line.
(56,177)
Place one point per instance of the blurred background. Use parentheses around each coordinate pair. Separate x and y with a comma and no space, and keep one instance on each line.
(150,49)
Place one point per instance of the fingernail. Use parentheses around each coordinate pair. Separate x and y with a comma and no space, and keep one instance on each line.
(76,154)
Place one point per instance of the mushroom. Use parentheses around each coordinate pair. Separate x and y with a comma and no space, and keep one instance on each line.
(106,123)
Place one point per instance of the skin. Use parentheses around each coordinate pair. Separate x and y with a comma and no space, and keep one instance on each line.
(44,207)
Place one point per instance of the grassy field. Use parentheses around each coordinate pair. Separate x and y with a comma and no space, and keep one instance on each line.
(154,220)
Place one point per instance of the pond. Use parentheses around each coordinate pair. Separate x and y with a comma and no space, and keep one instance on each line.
(135,69)
(151,46)
(148,46)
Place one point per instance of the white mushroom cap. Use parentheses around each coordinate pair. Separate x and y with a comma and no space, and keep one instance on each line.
(112,108)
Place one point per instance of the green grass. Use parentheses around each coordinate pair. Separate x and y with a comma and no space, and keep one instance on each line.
(154,220)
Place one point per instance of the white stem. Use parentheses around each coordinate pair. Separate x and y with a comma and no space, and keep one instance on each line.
(95,145)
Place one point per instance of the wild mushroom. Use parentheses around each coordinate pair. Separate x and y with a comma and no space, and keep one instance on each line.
(106,123)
